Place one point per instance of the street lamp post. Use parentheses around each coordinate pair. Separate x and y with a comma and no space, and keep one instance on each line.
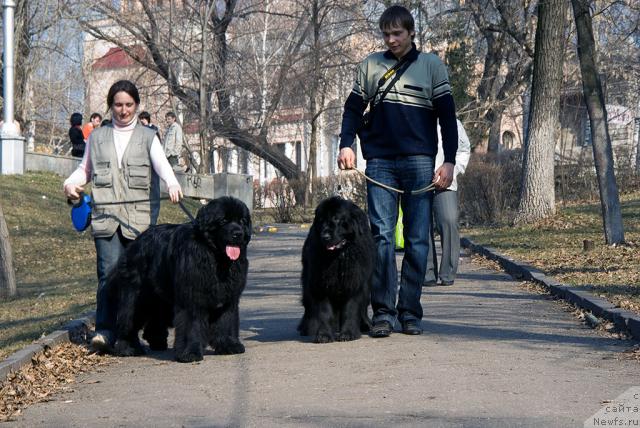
(12,150)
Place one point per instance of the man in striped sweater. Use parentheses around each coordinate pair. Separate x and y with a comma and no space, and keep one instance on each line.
(399,144)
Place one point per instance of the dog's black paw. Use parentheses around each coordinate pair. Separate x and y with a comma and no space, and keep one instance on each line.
(123,348)
(229,348)
(190,354)
(323,338)
(189,357)
(347,336)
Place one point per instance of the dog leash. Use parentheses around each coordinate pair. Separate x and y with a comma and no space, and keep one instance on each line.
(186,211)
(428,188)
(81,209)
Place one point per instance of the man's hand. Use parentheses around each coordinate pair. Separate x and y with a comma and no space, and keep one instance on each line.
(443,176)
(175,193)
(346,158)
(72,191)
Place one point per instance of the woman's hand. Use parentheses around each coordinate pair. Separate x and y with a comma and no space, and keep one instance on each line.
(175,193)
(72,191)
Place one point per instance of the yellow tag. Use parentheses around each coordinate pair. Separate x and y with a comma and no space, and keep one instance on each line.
(389,74)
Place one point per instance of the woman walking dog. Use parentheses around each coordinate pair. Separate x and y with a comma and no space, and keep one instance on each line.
(122,160)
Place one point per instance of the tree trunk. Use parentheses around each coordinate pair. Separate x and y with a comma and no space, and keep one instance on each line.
(313,103)
(537,195)
(311,165)
(493,146)
(7,276)
(638,147)
(601,140)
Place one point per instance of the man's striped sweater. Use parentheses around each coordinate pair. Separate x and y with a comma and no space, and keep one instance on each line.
(406,121)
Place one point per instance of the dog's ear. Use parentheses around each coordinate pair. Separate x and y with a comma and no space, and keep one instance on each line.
(360,221)
(208,216)
(319,216)
(248,226)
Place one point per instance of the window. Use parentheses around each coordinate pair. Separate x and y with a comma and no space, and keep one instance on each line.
(507,140)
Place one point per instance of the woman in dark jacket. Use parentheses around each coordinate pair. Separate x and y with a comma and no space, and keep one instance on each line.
(75,135)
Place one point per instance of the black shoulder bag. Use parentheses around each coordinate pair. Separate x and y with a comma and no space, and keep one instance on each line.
(397,70)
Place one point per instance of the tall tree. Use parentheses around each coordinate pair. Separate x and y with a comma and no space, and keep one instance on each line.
(7,275)
(601,140)
(537,194)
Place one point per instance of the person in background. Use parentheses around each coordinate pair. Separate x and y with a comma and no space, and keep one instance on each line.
(121,161)
(75,135)
(172,139)
(94,122)
(446,214)
(400,148)
(145,119)
(105,122)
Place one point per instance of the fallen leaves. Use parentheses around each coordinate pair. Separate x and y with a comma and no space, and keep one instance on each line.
(632,354)
(50,371)
(555,247)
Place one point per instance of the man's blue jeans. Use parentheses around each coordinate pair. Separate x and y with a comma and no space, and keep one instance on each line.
(406,173)
(108,250)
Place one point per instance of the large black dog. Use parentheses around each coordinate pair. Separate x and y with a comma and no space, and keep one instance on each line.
(189,275)
(337,263)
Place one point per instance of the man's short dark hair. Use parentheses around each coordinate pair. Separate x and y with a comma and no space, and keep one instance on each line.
(94,115)
(397,16)
(170,114)
(145,115)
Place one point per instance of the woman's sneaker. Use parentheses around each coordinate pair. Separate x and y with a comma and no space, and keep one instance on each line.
(102,341)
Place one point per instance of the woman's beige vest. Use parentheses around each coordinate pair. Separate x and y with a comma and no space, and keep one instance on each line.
(131,181)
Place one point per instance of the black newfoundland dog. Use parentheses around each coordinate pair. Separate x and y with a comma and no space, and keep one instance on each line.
(189,275)
(337,263)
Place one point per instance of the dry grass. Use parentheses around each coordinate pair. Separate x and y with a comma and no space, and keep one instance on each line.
(555,246)
(55,266)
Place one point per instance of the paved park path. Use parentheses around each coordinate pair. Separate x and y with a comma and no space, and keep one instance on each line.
(492,355)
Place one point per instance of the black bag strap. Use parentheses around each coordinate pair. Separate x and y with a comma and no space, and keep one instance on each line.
(397,76)
(396,71)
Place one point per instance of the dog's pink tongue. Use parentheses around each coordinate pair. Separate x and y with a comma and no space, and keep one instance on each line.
(233,252)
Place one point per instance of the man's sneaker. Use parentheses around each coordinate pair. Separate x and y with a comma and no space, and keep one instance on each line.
(411,327)
(381,329)
(101,341)
(446,283)
(430,283)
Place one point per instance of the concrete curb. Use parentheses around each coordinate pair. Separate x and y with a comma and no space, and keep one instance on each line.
(75,331)
(623,320)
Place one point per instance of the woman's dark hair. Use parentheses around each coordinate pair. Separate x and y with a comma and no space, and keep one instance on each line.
(397,16)
(123,86)
(75,119)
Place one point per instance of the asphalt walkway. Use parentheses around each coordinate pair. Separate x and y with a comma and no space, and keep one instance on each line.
(492,355)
